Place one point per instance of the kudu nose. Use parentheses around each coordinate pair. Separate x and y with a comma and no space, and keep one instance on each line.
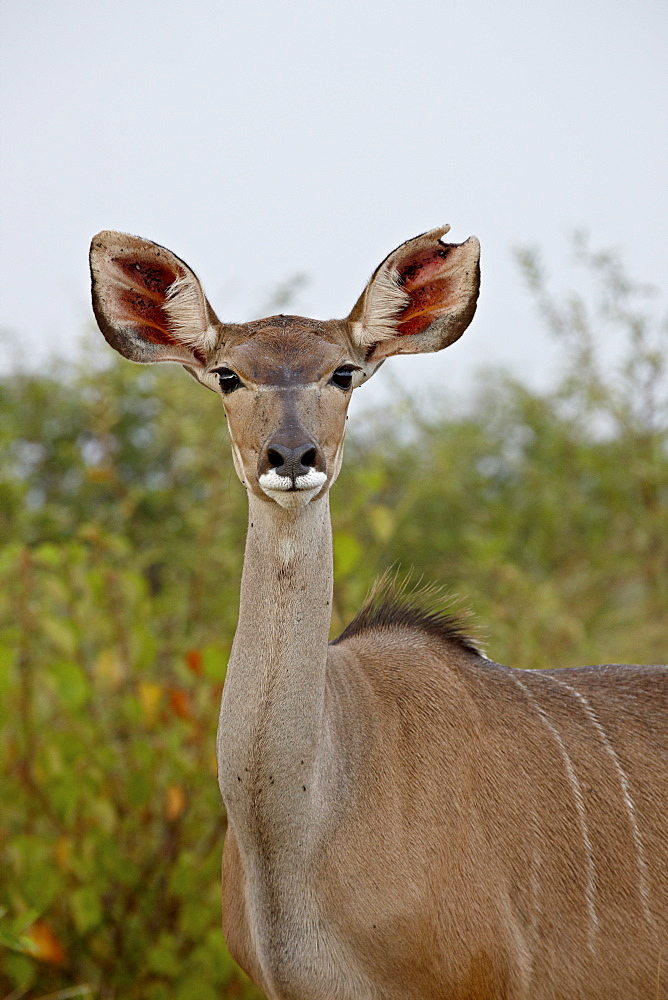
(291,462)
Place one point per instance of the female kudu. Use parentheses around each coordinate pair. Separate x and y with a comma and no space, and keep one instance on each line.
(407,819)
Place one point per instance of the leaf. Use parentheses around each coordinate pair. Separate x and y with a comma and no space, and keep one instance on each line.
(86,908)
(181,878)
(204,992)
(60,633)
(49,555)
(7,657)
(214,660)
(194,661)
(179,701)
(194,918)
(138,789)
(40,882)
(16,942)
(163,958)
(45,945)
(109,670)
(150,697)
(21,970)
(72,685)
(175,802)
(347,553)
(62,852)
(383,522)
(104,814)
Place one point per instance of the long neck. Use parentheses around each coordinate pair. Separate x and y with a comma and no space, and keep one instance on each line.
(271,719)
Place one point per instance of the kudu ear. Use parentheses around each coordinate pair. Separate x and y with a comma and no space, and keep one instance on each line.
(148,304)
(421,298)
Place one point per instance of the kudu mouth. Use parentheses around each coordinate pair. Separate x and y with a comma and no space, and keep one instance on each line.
(292,476)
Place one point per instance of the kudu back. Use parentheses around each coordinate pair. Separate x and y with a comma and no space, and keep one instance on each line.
(407,819)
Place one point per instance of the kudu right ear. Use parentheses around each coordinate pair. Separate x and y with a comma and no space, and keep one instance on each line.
(148,304)
(421,298)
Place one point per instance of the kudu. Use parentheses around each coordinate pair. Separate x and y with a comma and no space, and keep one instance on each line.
(407,819)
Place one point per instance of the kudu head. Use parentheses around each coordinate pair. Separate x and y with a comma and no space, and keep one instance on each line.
(285,381)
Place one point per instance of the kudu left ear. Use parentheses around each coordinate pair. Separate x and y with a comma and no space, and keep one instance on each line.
(148,303)
(421,298)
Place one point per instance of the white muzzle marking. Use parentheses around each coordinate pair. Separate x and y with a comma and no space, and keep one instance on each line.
(289,494)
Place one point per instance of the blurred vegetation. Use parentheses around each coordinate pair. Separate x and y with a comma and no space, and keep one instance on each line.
(121,531)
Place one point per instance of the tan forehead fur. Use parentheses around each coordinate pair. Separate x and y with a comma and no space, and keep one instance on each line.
(286,348)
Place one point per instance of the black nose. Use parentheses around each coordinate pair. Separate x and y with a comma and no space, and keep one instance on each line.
(291,462)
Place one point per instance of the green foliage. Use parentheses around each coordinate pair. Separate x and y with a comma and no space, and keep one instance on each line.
(121,534)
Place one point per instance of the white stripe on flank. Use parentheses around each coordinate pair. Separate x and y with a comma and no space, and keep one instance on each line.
(643,875)
(537,908)
(590,891)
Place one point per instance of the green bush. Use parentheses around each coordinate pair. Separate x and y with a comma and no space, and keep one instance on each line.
(121,533)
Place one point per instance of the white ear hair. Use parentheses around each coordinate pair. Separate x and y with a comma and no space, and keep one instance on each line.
(380,309)
(183,306)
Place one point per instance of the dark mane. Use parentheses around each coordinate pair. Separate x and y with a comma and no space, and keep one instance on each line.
(394,604)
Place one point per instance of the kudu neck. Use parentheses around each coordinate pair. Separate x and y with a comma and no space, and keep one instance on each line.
(286,584)
(273,703)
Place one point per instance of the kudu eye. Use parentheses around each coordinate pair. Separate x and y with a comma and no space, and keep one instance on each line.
(343,377)
(229,380)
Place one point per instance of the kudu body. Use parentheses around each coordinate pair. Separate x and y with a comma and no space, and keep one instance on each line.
(407,819)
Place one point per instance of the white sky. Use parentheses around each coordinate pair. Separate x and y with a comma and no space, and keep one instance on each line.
(260,139)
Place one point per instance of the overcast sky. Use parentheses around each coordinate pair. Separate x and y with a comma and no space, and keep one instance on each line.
(264,139)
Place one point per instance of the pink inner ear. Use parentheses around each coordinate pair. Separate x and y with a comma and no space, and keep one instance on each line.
(141,294)
(432,287)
